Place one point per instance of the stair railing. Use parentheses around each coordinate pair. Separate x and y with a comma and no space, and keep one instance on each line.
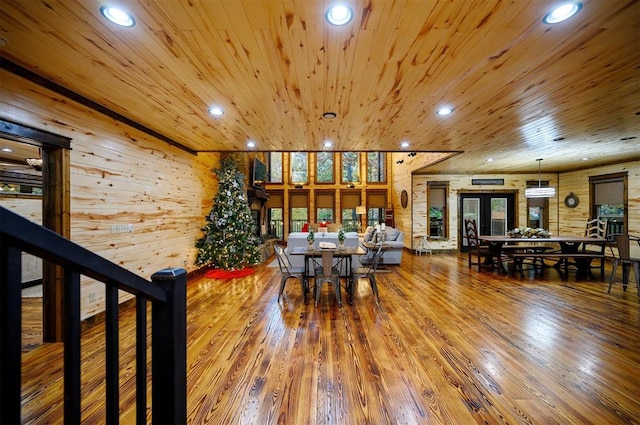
(166,292)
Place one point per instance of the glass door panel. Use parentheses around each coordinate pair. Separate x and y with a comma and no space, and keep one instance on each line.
(499,213)
(470,211)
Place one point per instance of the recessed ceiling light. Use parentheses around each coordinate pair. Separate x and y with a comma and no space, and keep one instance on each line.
(404,144)
(562,12)
(444,111)
(329,115)
(586,158)
(490,159)
(117,16)
(339,14)
(7,150)
(251,144)
(327,143)
(216,111)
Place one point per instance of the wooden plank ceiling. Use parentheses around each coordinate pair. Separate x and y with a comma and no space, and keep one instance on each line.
(520,89)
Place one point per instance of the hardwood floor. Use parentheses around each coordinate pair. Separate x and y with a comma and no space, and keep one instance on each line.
(446,345)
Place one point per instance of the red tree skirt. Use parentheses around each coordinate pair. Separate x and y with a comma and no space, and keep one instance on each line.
(229,274)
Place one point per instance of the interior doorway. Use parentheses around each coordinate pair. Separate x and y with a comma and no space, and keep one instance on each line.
(56,206)
(494,212)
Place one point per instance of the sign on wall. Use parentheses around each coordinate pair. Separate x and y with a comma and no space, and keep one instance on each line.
(489,182)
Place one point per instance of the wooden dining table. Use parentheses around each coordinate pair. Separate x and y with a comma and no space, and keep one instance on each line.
(569,248)
(343,254)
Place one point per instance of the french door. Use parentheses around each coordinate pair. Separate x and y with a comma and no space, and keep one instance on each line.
(494,213)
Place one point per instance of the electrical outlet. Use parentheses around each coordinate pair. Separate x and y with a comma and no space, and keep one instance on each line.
(92,297)
(121,228)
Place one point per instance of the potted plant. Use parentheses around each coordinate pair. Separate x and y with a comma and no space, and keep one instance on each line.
(341,237)
(310,237)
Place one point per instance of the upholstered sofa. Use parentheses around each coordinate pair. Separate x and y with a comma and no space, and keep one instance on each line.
(394,238)
(299,239)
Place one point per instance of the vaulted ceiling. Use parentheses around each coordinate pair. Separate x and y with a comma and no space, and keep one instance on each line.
(520,89)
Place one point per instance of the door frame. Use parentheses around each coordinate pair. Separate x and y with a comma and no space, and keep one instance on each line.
(56,210)
(494,192)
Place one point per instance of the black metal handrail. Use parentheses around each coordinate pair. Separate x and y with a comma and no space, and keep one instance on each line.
(166,293)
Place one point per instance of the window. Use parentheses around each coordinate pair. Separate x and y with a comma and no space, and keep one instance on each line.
(437,201)
(376,207)
(275,214)
(350,167)
(299,167)
(325,206)
(349,201)
(537,208)
(324,167)
(376,168)
(275,167)
(608,194)
(537,216)
(298,202)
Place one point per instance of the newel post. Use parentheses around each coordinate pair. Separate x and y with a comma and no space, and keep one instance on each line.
(169,349)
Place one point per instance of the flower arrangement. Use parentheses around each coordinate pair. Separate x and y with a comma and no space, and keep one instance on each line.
(341,236)
(311,237)
(529,232)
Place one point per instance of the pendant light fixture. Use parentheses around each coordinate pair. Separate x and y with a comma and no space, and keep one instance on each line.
(539,192)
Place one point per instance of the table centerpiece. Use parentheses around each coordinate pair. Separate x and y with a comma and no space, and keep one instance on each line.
(529,232)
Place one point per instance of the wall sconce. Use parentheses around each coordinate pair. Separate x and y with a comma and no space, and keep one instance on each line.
(351,186)
(298,186)
(412,154)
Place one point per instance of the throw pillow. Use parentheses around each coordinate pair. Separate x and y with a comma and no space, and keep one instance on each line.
(368,234)
(392,234)
(333,227)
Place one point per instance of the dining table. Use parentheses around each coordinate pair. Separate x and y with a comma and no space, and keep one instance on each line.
(569,246)
(344,256)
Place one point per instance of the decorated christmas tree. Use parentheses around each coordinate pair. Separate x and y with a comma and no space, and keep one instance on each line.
(229,240)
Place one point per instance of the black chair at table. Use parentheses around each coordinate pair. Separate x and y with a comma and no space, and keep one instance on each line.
(289,272)
(326,271)
(623,243)
(474,246)
(366,270)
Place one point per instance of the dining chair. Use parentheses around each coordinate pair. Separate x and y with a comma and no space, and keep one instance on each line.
(325,272)
(289,272)
(623,243)
(474,246)
(595,228)
(366,270)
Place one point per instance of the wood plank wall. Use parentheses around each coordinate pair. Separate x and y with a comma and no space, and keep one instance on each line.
(120,176)
(573,219)
(408,219)
(562,220)
(459,183)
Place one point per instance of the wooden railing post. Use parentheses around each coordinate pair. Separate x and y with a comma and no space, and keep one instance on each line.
(169,349)
(10,332)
